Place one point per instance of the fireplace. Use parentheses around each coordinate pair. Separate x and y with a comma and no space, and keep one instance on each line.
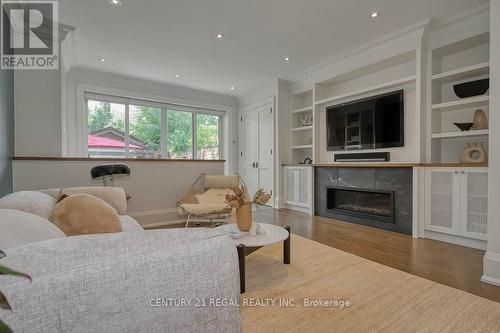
(364,203)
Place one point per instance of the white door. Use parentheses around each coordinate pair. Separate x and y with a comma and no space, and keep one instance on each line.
(250,174)
(257,136)
(266,146)
(442,200)
(474,203)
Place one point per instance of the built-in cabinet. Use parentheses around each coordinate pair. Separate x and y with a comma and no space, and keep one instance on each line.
(302,126)
(461,61)
(298,188)
(456,201)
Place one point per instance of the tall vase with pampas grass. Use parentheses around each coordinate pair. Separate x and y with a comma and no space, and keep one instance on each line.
(243,204)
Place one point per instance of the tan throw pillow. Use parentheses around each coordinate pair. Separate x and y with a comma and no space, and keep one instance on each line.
(83,214)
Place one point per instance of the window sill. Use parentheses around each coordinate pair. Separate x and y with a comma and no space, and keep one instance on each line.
(87,159)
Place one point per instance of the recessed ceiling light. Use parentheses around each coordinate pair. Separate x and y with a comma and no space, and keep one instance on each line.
(177,75)
(219,36)
(375,14)
(102,60)
(115,2)
(232,88)
(287,59)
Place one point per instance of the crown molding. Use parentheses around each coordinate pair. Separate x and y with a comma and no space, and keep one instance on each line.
(397,43)
(259,94)
(460,27)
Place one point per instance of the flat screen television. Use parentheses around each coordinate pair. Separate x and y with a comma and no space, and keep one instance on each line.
(369,123)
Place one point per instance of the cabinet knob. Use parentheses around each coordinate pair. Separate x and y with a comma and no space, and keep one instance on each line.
(463,172)
(456,172)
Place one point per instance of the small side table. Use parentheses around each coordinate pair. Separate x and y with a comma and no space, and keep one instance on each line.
(248,244)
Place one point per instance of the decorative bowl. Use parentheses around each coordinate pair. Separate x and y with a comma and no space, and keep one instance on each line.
(464,126)
(472,88)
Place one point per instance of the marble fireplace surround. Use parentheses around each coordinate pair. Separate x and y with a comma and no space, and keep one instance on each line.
(398,180)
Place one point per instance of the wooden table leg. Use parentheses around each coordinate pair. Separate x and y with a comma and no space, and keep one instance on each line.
(241,261)
(286,247)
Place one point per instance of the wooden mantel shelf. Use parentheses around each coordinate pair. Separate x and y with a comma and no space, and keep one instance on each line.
(93,159)
(393,165)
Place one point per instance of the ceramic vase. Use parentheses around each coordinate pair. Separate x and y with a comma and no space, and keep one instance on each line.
(467,155)
(244,217)
(480,121)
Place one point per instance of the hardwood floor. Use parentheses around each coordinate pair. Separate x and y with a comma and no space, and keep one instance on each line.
(452,265)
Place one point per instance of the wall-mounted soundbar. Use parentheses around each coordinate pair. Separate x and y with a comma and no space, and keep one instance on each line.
(363,157)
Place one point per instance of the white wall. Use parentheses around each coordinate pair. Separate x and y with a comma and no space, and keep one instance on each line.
(79,80)
(37,115)
(154,186)
(491,271)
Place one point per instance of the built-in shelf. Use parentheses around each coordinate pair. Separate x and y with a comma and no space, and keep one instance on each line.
(374,88)
(303,110)
(460,134)
(302,147)
(465,103)
(303,128)
(462,73)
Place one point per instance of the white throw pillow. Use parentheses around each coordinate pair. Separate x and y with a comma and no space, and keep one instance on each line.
(19,228)
(33,202)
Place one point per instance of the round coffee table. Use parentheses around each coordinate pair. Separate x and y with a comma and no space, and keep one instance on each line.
(248,244)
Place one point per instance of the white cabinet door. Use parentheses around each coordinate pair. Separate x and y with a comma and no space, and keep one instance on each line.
(291,186)
(298,187)
(303,181)
(474,203)
(442,200)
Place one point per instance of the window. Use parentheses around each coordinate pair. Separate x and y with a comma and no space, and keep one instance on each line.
(207,137)
(127,128)
(180,134)
(144,132)
(106,129)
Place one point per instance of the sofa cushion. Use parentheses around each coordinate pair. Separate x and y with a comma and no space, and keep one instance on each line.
(113,196)
(82,214)
(129,224)
(33,202)
(19,228)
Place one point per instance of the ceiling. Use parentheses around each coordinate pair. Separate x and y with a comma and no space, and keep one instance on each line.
(157,39)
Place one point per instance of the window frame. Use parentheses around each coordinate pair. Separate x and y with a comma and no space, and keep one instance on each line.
(164,107)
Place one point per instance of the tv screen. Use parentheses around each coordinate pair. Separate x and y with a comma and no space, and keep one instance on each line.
(369,123)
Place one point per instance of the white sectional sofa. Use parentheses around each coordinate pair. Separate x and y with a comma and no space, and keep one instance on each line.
(133,281)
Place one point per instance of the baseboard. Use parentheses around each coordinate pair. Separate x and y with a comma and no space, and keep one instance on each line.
(152,212)
(457,240)
(490,280)
(162,224)
(157,217)
(491,268)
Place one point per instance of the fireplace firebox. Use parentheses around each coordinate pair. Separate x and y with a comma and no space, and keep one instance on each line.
(365,203)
